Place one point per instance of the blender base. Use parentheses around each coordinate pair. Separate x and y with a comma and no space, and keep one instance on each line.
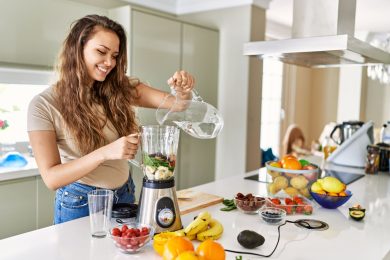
(158,205)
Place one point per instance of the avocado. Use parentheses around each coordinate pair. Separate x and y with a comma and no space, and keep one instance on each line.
(357,214)
(250,239)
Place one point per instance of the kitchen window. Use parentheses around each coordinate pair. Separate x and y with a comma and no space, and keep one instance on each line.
(17,88)
(14,100)
(271,105)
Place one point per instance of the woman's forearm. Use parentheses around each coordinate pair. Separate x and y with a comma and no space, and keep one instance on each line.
(66,173)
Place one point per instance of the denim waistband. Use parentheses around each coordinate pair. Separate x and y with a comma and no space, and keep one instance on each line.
(85,188)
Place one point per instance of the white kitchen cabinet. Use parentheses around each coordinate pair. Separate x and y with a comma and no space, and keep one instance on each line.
(25,205)
(17,206)
(45,204)
(160,46)
(32,32)
(200,57)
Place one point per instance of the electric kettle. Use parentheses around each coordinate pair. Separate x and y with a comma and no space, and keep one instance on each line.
(346,129)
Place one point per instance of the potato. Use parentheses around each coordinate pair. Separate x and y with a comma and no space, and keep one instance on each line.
(281,182)
(291,191)
(273,189)
(299,182)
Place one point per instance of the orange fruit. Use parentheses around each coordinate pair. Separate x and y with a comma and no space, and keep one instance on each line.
(211,250)
(176,245)
(159,241)
(332,194)
(187,255)
(288,156)
(343,194)
(292,164)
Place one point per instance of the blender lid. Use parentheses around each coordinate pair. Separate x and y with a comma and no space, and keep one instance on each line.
(124,210)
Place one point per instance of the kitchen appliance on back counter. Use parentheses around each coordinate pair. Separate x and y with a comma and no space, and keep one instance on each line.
(345,130)
(352,151)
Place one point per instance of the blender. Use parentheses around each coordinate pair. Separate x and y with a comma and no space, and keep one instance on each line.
(158,204)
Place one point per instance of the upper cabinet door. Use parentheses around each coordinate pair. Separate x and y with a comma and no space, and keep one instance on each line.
(155,53)
(200,57)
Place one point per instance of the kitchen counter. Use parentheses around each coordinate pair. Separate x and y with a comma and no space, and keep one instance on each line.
(12,173)
(345,238)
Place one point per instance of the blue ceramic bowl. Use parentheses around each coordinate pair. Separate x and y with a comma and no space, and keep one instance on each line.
(331,202)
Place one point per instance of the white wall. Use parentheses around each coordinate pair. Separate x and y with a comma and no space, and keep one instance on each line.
(377,103)
(350,91)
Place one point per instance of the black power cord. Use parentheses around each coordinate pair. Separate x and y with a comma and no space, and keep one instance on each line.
(302,222)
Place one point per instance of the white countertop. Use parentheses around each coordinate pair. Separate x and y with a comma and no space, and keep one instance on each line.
(345,238)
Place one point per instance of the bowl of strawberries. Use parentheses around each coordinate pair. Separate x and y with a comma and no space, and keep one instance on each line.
(131,238)
(292,205)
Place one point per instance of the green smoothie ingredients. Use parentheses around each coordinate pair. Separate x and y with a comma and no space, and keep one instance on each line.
(158,166)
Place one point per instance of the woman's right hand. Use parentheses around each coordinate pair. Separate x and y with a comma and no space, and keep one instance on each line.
(124,148)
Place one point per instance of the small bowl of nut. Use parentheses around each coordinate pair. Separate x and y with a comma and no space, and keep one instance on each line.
(249,203)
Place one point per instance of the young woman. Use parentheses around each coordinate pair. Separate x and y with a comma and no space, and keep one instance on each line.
(83,129)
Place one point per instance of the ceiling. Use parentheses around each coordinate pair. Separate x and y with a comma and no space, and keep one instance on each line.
(371,15)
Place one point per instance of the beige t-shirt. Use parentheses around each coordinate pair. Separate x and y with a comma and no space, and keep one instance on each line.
(44,115)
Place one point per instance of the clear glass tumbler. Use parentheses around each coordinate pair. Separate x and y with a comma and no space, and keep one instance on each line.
(100,206)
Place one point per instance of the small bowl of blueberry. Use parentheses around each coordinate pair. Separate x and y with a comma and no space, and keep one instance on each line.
(272,215)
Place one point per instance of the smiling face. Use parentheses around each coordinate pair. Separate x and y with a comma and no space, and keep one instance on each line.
(101,53)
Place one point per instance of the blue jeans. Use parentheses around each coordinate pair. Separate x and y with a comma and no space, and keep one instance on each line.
(71,201)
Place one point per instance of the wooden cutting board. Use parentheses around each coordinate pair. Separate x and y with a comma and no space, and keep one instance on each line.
(193,200)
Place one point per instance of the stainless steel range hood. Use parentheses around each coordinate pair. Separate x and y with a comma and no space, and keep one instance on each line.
(324,50)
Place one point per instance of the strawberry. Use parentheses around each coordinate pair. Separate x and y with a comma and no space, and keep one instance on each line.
(299,209)
(289,210)
(307,209)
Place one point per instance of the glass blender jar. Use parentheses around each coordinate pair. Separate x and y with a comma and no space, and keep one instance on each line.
(158,204)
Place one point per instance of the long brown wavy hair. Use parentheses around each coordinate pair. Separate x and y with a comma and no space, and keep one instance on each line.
(78,101)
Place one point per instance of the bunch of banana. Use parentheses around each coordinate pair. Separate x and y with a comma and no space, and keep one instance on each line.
(213,232)
(202,227)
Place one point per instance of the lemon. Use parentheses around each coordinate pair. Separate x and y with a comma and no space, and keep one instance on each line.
(316,187)
(276,164)
(332,184)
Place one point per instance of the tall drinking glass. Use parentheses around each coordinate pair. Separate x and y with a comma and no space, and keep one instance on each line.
(100,206)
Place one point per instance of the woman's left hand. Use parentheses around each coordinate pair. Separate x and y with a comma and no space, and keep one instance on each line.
(182,82)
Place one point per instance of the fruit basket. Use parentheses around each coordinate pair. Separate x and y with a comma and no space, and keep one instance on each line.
(292,205)
(292,181)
